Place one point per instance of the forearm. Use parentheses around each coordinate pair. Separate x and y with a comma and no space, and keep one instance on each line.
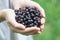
(1,15)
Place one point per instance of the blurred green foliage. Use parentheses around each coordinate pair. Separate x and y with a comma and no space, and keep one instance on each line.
(52,25)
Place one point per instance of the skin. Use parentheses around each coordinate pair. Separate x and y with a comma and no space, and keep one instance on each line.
(9,16)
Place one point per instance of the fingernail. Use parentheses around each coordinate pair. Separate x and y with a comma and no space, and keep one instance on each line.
(43,17)
(38,29)
(39,32)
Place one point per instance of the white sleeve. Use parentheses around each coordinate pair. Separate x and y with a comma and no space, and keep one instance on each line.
(10,3)
(4,4)
(4,31)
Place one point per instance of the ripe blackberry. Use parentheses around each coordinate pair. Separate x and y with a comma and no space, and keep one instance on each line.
(28,16)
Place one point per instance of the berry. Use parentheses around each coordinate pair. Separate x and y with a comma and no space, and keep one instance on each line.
(28,16)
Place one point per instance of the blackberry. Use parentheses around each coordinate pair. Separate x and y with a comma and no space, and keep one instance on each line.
(28,16)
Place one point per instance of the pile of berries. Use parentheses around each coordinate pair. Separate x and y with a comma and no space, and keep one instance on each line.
(28,16)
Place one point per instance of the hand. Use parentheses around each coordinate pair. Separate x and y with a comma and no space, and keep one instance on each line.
(33,30)
(9,15)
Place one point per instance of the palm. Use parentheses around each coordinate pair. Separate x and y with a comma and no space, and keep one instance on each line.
(20,4)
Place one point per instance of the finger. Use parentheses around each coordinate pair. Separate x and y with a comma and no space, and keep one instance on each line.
(30,29)
(42,20)
(17,30)
(33,32)
(16,4)
(19,4)
(37,31)
(17,25)
(20,31)
(36,5)
(41,28)
(14,29)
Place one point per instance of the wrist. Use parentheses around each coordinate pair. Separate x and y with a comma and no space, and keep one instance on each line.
(2,13)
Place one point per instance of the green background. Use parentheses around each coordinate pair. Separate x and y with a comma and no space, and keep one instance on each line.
(52,25)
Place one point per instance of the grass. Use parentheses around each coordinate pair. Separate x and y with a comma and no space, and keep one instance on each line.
(52,25)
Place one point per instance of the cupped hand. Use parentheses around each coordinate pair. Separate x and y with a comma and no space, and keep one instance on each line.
(18,27)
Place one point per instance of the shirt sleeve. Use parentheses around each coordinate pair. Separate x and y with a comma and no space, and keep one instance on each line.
(4,4)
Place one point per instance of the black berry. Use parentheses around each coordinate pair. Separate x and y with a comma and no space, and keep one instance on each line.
(28,16)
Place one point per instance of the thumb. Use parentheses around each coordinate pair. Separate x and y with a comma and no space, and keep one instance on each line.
(18,4)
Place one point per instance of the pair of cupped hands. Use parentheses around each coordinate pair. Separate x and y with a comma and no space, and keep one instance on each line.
(9,15)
